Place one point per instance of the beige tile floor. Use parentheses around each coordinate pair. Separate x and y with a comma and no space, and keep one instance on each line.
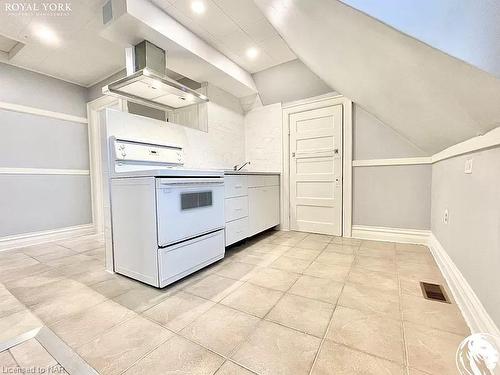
(281,303)
(31,357)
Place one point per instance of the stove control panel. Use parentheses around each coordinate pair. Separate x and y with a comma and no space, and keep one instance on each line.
(131,151)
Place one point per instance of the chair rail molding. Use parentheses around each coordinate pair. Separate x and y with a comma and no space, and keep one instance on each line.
(42,112)
(481,142)
(394,161)
(44,171)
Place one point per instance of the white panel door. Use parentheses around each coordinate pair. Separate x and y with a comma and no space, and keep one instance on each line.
(316,170)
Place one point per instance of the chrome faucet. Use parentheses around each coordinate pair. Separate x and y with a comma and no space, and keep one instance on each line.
(241,167)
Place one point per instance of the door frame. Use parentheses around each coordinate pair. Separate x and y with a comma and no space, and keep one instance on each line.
(306,105)
(94,135)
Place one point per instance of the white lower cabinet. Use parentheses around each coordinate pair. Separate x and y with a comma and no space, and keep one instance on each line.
(252,205)
(263,208)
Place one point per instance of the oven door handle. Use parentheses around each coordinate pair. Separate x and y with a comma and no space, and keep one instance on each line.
(190,182)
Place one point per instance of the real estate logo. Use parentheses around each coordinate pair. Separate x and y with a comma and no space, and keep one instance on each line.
(478,354)
(37,8)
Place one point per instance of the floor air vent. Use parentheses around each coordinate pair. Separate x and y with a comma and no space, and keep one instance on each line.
(434,292)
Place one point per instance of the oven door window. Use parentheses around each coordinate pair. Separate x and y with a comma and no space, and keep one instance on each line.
(196,200)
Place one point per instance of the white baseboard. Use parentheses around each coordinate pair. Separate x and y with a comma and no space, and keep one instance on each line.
(415,236)
(35,238)
(475,314)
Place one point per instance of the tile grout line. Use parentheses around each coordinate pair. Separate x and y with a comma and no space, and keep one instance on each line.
(403,331)
(354,348)
(226,357)
(149,352)
(316,356)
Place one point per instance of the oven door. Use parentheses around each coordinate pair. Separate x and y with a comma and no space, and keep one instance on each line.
(188,207)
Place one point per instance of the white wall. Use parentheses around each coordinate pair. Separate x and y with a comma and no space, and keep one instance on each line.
(263,142)
(36,202)
(472,236)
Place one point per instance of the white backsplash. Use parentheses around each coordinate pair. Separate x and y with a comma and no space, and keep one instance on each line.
(263,138)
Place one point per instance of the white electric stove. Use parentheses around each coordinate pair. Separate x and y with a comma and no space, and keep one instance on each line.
(167,221)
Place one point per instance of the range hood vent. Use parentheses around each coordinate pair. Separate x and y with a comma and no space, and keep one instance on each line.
(147,83)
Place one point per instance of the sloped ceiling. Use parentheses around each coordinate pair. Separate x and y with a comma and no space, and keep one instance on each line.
(466,29)
(287,82)
(429,97)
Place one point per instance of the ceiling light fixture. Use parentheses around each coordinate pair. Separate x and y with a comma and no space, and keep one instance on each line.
(46,35)
(198,7)
(156,84)
(252,53)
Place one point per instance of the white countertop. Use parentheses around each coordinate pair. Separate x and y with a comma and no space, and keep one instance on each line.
(169,172)
(185,172)
(252,173)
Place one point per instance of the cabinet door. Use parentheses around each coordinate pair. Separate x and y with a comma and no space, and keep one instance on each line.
(255,211)
(263,208)
(272,206)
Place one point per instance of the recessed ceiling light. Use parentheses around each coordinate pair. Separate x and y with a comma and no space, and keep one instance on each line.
(155,84)
(45,34)
(198,7)
(252,53)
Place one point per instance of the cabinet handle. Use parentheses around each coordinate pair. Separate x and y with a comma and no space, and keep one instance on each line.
(238,186)
(238,209)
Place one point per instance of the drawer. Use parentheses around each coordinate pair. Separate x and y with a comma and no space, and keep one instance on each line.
(258,180)
(235,186)
(180,260)
(236,208)
(236,230)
